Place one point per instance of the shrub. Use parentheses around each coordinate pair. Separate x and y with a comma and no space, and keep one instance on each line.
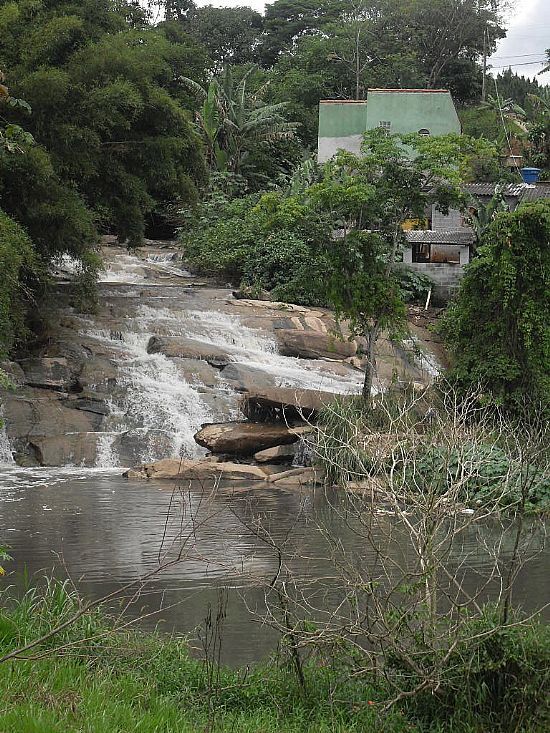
(413,285)
(485,472)
(265,243)
(17,263)
(496,679)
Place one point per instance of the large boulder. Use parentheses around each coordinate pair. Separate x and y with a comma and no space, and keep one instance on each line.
(244,438)
(38,412)
(61,450)
(247,379)
(314,345)
(97,371)
(285,403)
(197,371)
(278,454)
(188,348)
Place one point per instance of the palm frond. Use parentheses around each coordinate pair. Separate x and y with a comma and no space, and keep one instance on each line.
(193,86)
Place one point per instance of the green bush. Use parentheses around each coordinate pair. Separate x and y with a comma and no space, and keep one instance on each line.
(264,243)
(17,263)
(413,285)
(490,475)
(497,678)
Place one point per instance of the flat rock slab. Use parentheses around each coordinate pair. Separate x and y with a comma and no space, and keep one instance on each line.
(187,348)
(196,470)
(313,345)
(275,305)
(245,438)
(206,470)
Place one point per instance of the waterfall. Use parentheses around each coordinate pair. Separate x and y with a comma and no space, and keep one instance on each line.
(155,410)
(6,456)
(249,347)
(156,404)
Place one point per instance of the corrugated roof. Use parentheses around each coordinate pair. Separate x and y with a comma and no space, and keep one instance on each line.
(411,91)
(522,191)
(536,192)
(431,236)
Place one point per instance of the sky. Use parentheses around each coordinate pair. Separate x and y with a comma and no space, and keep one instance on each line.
(528,35)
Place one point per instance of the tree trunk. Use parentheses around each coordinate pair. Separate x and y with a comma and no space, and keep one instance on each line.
(370,335)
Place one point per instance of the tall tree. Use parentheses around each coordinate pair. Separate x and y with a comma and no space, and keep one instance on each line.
(233,121)
(101,86)
(230,35)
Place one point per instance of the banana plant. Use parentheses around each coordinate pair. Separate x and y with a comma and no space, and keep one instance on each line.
(232,120)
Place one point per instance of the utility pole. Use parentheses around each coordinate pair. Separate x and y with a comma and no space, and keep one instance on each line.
(484,82)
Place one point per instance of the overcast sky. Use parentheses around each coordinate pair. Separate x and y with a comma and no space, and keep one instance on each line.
(523,49)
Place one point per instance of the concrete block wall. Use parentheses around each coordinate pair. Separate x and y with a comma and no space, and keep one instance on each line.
(446,276)
(447,222)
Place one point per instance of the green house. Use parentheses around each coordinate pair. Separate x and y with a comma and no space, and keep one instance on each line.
(342,122)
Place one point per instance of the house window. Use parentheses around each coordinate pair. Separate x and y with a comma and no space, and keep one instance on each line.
(421,252)
(424,131)
(385,125)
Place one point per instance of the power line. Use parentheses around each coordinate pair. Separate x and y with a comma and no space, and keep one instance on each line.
(517,56)
(525,63)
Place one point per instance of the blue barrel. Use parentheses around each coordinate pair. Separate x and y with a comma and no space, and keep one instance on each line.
(530,175)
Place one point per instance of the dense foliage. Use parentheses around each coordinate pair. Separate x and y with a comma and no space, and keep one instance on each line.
(498,326)
(100,85)
(285,242)
(17,261)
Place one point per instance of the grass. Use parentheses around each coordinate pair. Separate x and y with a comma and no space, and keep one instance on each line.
(118,682)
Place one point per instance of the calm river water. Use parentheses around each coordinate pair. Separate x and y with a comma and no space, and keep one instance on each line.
(103,531)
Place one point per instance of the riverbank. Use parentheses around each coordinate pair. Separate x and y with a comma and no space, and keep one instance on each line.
(96,678)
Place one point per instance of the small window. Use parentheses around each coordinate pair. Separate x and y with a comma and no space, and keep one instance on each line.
(385,125)
(421,252)
(424,131)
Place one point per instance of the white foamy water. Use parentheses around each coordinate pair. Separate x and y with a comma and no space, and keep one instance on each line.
(157,405)
(252,348)
(126,269)
(159,398)
(6,457)
(425,361)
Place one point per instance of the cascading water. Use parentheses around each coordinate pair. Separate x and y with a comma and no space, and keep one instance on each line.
(259,351)
(155,409)
(154,404)
(6,457)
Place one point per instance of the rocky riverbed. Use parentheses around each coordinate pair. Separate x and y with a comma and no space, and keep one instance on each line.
(172,367)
